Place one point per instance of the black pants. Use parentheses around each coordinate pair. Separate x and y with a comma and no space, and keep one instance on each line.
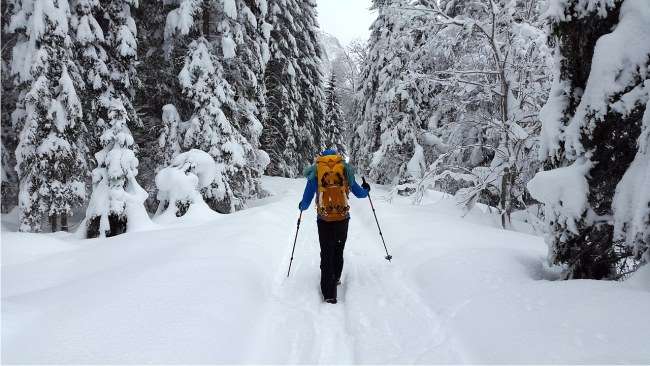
(332,236)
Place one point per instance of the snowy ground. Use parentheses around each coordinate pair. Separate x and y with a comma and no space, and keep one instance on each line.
(459,290)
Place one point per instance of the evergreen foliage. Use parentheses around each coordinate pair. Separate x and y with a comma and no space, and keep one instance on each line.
(334,123)
(595,131)
(225,53)
(51,154)
(108,56)
(292,134)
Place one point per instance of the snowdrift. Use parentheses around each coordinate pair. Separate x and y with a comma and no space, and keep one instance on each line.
(459,290)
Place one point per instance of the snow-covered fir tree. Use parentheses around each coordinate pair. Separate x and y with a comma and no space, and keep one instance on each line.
(8,134)
(294,85)
(109,63)
(8,179)
(169,141)
(334,122)
(395,106)
(595,138)
(242,35)
(180,183)
(51,152)
(225,51)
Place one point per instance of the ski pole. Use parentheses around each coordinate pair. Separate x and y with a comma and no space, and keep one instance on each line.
(388,257)
(294,242)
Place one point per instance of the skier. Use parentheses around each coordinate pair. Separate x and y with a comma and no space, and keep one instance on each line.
(333,179)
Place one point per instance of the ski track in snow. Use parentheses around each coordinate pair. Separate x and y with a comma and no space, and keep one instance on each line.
(375,314)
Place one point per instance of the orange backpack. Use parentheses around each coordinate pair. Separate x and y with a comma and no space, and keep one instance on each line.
(333,189)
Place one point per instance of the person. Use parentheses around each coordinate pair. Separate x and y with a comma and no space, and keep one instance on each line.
(331,179)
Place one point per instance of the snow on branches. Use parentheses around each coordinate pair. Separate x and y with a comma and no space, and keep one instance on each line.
(597,116)
(50,155)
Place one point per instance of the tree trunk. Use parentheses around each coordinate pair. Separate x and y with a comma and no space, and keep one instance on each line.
(505,199)
(64,222)
(53,223)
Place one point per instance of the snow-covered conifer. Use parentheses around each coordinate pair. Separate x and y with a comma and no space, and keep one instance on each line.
(395,105)
(108,56)
(8,134)
(225,50)
(169,141)
(180,183)
(117,199)
(334,123)
(594,138)
(294,88)
(51,154)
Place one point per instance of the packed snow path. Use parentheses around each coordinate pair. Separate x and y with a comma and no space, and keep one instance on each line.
(457,290)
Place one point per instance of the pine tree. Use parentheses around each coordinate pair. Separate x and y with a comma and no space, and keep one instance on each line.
(8,134)
(240,30)
(334,121)
(293,78)
(595,139)
(225,47)
(169,141)
(51,153)
(394,105)
(110,54)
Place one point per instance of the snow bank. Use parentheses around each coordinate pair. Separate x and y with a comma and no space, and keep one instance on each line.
(459,290)
(20,248)
(640,279)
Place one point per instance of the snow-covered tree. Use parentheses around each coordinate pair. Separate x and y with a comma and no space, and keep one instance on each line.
(490,76)
(51,153)
(395,105)
(334,122)
(108,58)
(116,204)
(595,138)
(6,173)
(180,183)
(243,34)
(8,102)
(294,85)
(169,141)
(225,51)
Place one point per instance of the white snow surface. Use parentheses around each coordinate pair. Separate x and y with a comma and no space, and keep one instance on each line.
(459,290)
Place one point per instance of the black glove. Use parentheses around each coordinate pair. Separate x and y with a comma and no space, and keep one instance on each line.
(365,184)
(301,207)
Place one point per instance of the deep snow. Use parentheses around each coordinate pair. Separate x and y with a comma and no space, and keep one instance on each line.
(458,290)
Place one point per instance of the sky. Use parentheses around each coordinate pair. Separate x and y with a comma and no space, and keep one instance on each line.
(345,19)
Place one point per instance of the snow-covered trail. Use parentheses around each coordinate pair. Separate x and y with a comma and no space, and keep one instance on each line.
(373,322)
(458,290)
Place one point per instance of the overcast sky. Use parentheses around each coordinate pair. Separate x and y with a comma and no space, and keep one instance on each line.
(345,19)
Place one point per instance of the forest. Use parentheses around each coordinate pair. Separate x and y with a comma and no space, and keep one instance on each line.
(536,109)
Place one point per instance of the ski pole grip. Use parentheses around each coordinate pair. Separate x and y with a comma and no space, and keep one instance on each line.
(363,179)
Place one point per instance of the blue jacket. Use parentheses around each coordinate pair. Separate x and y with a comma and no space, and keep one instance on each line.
(312,185)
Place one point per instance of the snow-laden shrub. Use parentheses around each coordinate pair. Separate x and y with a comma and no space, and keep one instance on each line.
(180,183)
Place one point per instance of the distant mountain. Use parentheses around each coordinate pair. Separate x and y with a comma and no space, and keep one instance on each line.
(332,50)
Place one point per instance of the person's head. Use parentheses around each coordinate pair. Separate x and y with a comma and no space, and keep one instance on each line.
(328,152)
